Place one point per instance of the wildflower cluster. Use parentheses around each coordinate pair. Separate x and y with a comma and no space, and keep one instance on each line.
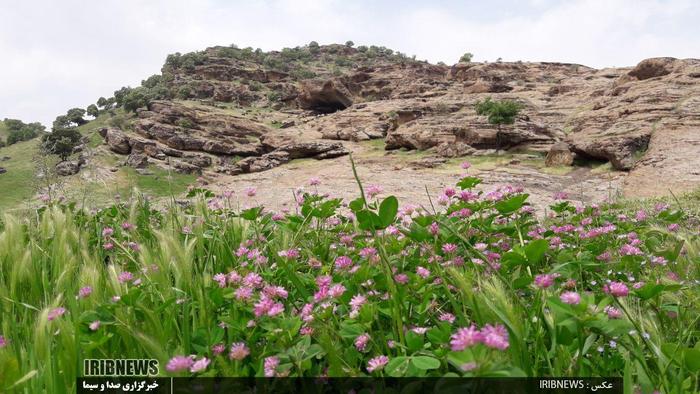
(476,286)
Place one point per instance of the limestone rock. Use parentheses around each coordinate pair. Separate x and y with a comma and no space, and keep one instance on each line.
(198,160)
(455,149)
(332,153)
(619,150)
(654,67)
(559,155)
(66,168)
(116,140)
(264,162)
(137,160)
(301,149)
(428,162)
(184,167)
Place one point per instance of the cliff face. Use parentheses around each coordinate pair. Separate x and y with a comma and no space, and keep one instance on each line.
(240,111)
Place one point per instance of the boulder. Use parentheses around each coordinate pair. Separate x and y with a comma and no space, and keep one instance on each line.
(3,170)
(619,150)
(198,160)
(333,153)
(184,167)
(66,168)
(454,149)
(298,150)
(264,162)
(116,140)
(428,162)
(653,67)
(137,160)
(559,155)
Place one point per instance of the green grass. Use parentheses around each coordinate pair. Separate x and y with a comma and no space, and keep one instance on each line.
(377,144)
(162,183)
(688,202)
(601,168)
(17,183)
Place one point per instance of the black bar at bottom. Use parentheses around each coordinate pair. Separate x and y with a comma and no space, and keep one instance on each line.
(350,385)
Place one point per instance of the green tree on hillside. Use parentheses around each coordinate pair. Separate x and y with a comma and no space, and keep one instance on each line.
(13,124)
(314,47)
(61,142)
(120,94)
(498,112)
(104,103)
(93,111)
(61,122)
(75,115)
(137,98)
(466,58)
(19,131)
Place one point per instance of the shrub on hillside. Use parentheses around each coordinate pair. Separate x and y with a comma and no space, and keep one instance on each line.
(92,110)
(498,112)
(75,116)
(61,142)
(466,58)
(19,131)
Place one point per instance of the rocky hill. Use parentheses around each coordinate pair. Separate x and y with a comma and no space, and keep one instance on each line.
(226,112)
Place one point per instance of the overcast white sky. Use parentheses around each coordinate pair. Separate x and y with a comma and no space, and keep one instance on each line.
(55,55)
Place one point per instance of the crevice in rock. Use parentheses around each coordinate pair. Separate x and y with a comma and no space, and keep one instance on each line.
(583,159)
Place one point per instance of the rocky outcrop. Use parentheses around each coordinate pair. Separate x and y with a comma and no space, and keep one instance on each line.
(196,136)
(68,167)
(285,105)
(184,167)
(137,160)
(262,163)
(116,140)
(285,148)
(620,151)
(454,149)
(302,149)
(651,68)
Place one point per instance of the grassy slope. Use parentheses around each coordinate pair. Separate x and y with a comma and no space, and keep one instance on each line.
(160,184)
(17,183)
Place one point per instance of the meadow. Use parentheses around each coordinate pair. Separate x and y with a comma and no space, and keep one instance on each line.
(476,284)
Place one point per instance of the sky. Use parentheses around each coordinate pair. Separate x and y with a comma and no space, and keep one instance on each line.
(56,55)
